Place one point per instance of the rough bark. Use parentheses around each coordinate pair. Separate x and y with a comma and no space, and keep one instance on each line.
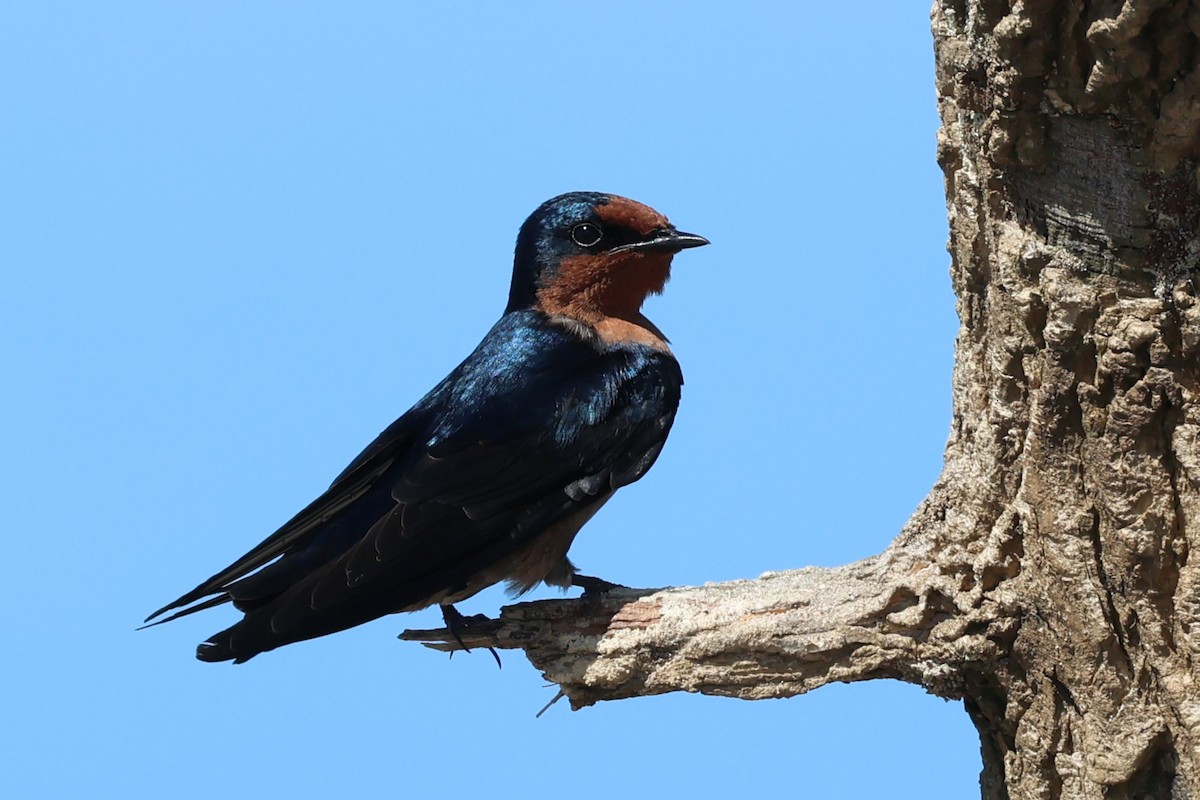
(1046,579)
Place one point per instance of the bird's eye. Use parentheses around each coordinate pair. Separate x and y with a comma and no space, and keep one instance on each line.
(586,234)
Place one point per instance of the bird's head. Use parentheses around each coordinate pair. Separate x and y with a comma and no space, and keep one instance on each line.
(589,256)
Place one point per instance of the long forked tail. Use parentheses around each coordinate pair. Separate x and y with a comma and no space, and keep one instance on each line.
(211,602)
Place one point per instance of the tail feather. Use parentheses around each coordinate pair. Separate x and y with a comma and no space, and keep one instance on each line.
(219,647)
(241,641)
(211,602)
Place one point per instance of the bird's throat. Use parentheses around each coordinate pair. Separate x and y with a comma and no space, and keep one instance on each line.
(597,287)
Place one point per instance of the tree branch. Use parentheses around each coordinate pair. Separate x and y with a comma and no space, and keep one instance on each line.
(784,634)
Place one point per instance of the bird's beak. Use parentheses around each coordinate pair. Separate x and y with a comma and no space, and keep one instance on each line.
(665,240)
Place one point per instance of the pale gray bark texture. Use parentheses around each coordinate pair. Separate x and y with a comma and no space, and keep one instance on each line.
(1046,580)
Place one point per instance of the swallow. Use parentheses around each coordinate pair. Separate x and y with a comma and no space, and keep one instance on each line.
(490,476)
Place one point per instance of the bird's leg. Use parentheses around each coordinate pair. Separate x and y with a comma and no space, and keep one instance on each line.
(594,586)
(456,622)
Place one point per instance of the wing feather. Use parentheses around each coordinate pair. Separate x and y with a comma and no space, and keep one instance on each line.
(531,430)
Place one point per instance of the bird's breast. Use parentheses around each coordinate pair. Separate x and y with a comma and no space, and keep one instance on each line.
(617,331)
(614,332)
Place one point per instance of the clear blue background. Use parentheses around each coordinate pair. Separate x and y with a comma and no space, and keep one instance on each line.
(239,239)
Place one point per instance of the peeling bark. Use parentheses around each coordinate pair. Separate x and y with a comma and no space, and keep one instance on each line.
(1046,579)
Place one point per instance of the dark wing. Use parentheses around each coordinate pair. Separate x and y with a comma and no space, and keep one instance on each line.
(534,428)
(469,501)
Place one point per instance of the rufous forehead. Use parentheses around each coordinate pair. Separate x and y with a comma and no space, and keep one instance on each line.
(631,214)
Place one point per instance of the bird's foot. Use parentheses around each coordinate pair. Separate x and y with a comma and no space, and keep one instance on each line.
(457,624)
(593,586)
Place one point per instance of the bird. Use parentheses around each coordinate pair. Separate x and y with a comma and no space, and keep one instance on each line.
(489,477)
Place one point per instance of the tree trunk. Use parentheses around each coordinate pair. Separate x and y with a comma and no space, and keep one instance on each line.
(1046,579)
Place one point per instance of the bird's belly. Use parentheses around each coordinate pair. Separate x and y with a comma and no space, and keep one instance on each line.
(543,560)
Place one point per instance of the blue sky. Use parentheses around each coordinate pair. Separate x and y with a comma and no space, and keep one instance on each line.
(238,239)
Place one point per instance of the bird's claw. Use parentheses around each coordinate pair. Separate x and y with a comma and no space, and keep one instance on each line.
(456,622)
(593,586)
